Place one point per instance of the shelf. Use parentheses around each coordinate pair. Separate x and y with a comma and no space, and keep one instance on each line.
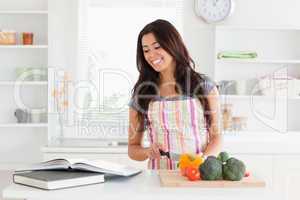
(102,149)
(29,83)
(26,12)
(265,135)
(23,125)
(259,28)
(222,96)
(23,46)
(259,61)
(91,142)
(256,97)
(294,98)
(12,166)
(247,28)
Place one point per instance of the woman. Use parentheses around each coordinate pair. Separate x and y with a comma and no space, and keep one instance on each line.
(176,105)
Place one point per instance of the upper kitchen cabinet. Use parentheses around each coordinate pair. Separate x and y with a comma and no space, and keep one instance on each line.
(256,64)
(23,79)
(276,47)
(257,69)
(23,62)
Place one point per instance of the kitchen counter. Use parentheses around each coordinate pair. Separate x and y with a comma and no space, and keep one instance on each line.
(143,186)
(235,143)
(273,156)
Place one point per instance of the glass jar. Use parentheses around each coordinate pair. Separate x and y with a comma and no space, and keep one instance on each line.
(27,38)
(239,123)
(226,110)
(8,38)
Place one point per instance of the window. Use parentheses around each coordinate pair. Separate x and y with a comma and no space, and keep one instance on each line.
(108,32)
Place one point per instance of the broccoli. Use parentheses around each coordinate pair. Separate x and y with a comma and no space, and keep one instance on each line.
(234,169)
(211,169)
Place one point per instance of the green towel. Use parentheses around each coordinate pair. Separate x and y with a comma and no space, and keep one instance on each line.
(237,54)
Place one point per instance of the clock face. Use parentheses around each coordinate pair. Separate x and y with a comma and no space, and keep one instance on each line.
(213,10)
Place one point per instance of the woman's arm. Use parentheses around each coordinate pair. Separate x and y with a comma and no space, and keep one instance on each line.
(215,138)
(135,149)
(135,137)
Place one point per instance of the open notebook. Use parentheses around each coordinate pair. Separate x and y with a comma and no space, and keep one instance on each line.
(84,165)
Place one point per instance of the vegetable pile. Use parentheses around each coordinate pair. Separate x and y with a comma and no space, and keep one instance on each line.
(223,167)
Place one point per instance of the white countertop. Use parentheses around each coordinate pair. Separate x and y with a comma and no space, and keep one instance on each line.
(143,186)
(241,143)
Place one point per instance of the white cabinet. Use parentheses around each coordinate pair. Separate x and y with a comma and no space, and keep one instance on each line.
(260,166)
(21,142)
(281,173)
(264,89)
(287,176)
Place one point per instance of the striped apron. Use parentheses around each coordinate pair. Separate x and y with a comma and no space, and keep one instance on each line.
(177,124)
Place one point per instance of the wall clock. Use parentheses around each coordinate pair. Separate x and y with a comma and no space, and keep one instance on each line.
(212,11)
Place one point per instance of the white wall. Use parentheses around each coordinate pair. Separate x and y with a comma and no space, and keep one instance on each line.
(199,36)
(63,45)
(16,145)
(200,39)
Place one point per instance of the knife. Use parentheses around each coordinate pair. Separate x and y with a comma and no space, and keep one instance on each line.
(170,155)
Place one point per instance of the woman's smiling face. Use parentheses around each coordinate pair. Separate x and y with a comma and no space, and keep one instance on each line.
(155,55)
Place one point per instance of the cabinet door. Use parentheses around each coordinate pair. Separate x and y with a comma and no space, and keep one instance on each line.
(287,176)
(260,166)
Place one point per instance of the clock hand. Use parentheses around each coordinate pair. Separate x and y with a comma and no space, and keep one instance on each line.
(215,3)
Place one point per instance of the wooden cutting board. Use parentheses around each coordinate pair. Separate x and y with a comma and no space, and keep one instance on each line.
(171,178)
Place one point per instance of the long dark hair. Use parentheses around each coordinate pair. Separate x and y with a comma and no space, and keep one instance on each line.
(191,83)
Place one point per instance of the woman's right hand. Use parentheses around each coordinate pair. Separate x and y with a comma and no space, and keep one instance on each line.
(153,151)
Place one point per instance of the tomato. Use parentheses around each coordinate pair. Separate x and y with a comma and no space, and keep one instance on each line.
(192,173)
(182,171)
(247,174)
